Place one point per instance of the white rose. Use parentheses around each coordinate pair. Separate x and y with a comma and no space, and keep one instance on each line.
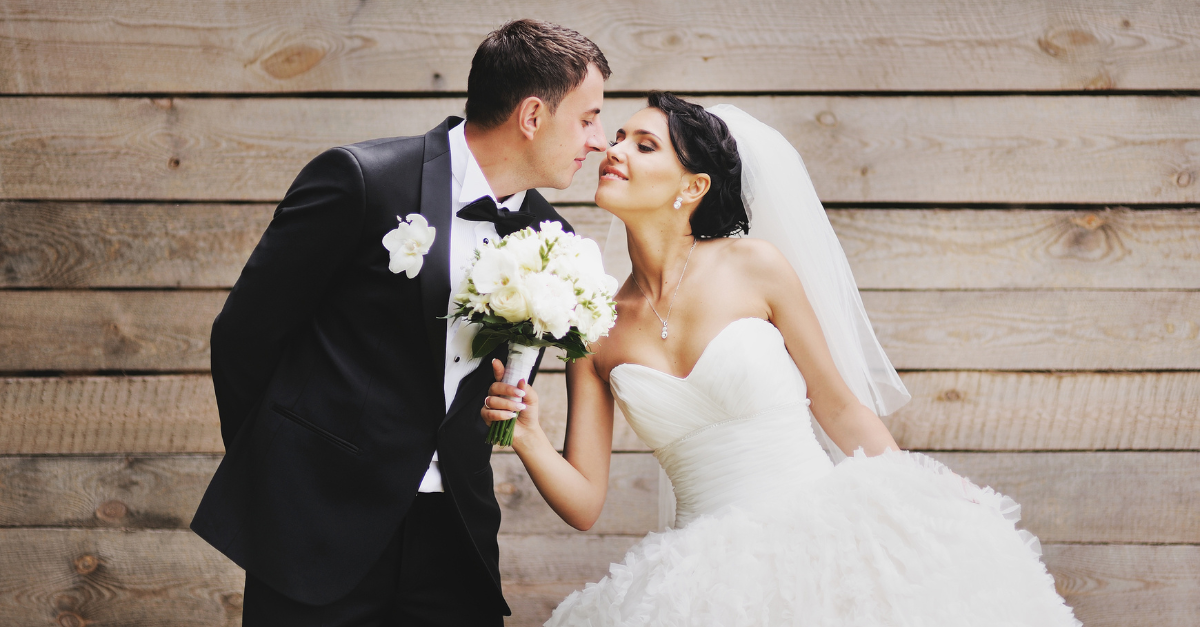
(510,302)
(553,301)
(551,228)
(526,252)
(495,268)
(408,244)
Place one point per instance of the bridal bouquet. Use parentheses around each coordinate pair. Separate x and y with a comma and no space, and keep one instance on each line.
(536,289)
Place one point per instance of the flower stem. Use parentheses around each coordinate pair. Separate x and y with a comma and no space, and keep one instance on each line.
(501,432)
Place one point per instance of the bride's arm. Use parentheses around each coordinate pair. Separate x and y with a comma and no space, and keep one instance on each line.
(576,482)
(848,422)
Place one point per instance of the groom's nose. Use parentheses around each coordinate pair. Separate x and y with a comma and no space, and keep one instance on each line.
(596,141)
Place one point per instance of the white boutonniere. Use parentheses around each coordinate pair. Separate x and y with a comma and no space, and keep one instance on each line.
(408,244)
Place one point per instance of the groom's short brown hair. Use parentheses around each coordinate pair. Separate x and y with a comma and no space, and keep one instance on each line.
(527,58)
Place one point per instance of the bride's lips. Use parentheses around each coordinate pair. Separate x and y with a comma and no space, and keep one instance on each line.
(609,173)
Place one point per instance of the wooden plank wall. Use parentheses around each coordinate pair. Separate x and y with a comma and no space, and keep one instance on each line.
(1017,185)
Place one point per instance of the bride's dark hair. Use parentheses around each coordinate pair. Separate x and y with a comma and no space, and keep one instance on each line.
(704,146)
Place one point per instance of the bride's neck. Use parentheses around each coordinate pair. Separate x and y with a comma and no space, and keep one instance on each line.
(657,253)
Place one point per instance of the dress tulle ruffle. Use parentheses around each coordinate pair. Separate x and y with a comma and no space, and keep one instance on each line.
(896,539)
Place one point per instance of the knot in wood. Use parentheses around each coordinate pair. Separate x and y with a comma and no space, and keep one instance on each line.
(173,163)
(1090,222)
(1101,82)
(506,489)
(292,60)
(163,103)
(950,395)
(232,600)
(86,564)
(1183,179)
(827,118)
(111,511)
(70,619)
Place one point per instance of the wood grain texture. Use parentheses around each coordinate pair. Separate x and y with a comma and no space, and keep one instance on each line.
(987,411)
(85,244)
(68,245)
(1095,497)
(1023,411)
(1013,149)
(1020,249)
(168,414)
(1117,330)
(1120,586)
(173,578)
(315,45)
(82,415)
(73,578)
(984,330)
(107,330)
(121,245)
(1129,497)
(162,492)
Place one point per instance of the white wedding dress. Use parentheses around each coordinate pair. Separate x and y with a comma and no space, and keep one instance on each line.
(769,532)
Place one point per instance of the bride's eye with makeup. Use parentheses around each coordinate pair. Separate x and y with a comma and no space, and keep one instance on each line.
(645,147)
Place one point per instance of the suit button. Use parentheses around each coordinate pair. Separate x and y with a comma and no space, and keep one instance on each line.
(485,240)
(456,359)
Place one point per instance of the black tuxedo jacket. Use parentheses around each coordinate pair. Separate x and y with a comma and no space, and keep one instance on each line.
(329,371)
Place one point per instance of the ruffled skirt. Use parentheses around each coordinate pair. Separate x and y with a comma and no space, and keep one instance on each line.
(895,539)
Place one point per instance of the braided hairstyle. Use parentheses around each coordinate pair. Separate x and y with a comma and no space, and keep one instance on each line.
(704,146)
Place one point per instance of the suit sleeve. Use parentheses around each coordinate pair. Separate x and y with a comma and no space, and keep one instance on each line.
(310,238)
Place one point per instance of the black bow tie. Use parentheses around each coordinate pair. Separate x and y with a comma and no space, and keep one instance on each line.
(484,209)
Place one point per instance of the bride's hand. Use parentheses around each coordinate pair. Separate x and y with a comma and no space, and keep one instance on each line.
(499,405)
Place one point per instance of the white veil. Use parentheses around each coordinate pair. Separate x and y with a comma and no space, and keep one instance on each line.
(784,210)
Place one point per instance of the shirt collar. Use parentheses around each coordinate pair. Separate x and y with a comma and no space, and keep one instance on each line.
(469,176)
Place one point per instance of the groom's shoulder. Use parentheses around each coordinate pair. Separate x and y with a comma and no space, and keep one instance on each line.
(387,152)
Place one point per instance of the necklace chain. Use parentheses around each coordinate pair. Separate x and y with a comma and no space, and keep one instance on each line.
(672,303)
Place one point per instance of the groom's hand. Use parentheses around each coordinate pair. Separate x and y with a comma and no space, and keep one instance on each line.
(505,402)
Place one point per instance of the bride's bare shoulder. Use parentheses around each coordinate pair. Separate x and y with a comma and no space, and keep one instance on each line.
(755,257)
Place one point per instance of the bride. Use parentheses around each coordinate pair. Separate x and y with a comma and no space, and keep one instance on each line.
(737,359)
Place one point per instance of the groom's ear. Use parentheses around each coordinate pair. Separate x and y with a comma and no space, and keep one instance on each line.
(695,187)
(530,116)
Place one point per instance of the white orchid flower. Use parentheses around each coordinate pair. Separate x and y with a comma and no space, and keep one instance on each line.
(408,244)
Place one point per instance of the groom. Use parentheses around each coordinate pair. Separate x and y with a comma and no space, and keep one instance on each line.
(356,486)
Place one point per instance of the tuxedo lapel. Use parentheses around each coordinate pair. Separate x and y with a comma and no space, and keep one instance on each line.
(435,207)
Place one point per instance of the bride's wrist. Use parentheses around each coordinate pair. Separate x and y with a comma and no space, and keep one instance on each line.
(528,437)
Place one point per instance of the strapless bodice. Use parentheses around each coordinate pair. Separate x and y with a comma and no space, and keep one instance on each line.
(736,430)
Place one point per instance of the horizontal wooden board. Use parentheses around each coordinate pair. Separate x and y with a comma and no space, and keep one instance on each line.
(985,330)
(992,411)
(80,415)
(67,576)
(1020,249)
(119,245)
(1009,149)
(68,245)
(168,414)
(1019,330)
(998,411)
(95,330)
(101,577)
(162,492)
(56,244)
(1126,586)
(314,45)
(1094,497)
(1067,497)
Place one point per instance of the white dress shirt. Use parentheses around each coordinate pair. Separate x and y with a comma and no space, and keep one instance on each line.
(468,184)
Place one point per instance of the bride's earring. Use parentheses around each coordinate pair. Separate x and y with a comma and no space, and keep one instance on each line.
(678,202)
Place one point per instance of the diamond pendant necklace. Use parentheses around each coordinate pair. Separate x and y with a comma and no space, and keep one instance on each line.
(672,304)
